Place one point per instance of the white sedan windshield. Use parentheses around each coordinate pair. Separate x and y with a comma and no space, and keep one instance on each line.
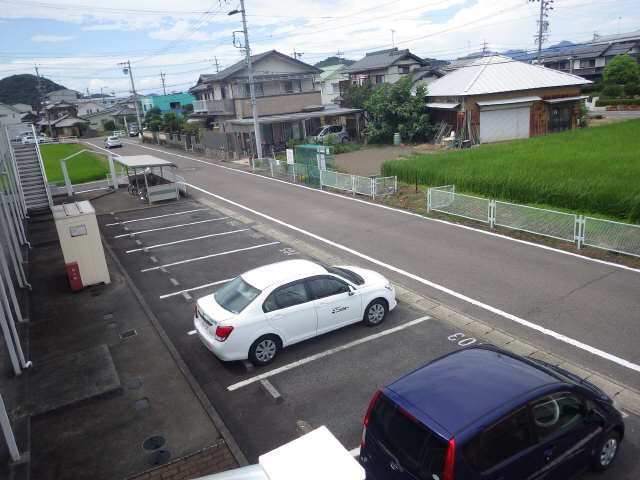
(236,295)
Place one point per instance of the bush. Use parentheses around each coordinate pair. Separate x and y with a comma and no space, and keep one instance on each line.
(592,87)
(620,70)
(612,91)
(109,125)
(617,101)
(632,88)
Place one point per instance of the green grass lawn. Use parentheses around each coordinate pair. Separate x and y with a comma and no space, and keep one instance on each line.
(85,167)
(593,171)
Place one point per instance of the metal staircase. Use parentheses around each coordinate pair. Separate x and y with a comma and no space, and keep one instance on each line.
(33,179)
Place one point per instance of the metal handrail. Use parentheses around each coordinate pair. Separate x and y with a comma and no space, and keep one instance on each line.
(44,174)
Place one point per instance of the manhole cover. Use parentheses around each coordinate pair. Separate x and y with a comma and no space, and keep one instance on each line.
(128,334)
(159,457)
(154,442)
(142,403)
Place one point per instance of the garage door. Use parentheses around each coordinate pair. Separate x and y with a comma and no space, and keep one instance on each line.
(504,124)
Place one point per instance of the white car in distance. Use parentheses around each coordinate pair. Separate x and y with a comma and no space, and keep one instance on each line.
(112,142)
(263,310)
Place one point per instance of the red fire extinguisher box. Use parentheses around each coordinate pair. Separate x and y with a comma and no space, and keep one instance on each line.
(73,272)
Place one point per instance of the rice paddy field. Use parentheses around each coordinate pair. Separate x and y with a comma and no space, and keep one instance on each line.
(85,167)
(593,171)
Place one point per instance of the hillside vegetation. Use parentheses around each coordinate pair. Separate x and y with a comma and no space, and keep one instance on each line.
(594,170)
(24,89)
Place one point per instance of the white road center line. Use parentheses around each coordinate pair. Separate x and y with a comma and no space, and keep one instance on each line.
(204,257)
(169,228)
(441,288)
(157,216)
(185,240)
(326,353)
(180,292)
(397,210)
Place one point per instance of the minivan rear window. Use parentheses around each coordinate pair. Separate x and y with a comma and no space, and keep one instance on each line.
(415,447)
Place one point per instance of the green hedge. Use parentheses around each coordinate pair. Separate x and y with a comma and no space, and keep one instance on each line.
(617,101)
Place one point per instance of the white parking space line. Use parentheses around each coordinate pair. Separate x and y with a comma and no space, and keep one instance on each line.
(196,259)
(200,287)
(157,216)
(441,288)
(326,353)
(169,228)
(397,210)
(185,240)
(192,332)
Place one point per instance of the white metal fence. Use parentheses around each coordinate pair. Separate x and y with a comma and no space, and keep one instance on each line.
(594,232)
(370,186)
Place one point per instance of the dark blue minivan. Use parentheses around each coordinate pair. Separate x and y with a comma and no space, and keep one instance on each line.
(487,414)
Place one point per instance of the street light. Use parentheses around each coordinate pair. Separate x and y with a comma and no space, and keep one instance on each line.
(252,90)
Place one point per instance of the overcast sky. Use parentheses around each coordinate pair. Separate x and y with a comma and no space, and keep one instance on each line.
(80,44)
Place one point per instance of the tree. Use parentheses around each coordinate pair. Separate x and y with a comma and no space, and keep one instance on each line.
(187,109)
(356,95)
(620,70)
(172,122)
(82,128)
(153,119)
(108,124)
(393,108)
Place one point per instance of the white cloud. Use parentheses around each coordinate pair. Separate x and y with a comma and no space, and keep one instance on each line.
(50,38)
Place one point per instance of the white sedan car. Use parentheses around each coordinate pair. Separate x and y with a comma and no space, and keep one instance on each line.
(271,307)
(112,142)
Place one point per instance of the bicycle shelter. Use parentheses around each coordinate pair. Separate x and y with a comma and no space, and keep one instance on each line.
(150,178)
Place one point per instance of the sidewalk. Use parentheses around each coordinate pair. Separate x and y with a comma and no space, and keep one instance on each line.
(105,379)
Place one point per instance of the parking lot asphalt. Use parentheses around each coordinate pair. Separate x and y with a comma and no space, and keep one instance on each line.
(177,252)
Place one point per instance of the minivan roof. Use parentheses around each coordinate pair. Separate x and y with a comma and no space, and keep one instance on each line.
(459,388)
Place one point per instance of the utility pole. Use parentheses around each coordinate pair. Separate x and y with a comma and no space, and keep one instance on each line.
(484,48)
(217,64)
(393,42)
(40,94)
(102,95)
(126,68)
(297,55)
(252,89)
(543,24)
(162,75)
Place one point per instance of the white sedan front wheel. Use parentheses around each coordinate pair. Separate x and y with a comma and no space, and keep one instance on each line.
(375,312)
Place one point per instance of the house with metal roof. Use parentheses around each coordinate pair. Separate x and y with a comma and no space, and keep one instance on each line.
(384,66)
(496,98)
(589,60)
(330,80)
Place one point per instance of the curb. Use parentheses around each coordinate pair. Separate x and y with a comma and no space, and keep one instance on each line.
(182,366)
(628,397)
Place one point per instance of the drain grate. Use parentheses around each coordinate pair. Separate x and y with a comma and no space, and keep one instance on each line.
(154,442)
(133,384)
(128,334)
(142,403)
(107,316)
(159,457)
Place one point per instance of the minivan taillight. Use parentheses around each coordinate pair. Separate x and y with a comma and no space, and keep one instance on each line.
(366,417)
(447,471)
(222,333)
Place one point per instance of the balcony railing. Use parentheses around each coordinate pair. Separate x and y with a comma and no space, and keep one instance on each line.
(214,107)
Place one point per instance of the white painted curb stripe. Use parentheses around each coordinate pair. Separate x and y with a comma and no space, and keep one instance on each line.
(397,210)
(169,228)
(185,240)
(167,295)
(157,216)
(472,301)
(196,259)
(326,353)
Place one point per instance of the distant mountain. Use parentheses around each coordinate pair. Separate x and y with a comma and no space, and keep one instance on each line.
(24,89)
(333,61)
(434,62)
(527,55)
